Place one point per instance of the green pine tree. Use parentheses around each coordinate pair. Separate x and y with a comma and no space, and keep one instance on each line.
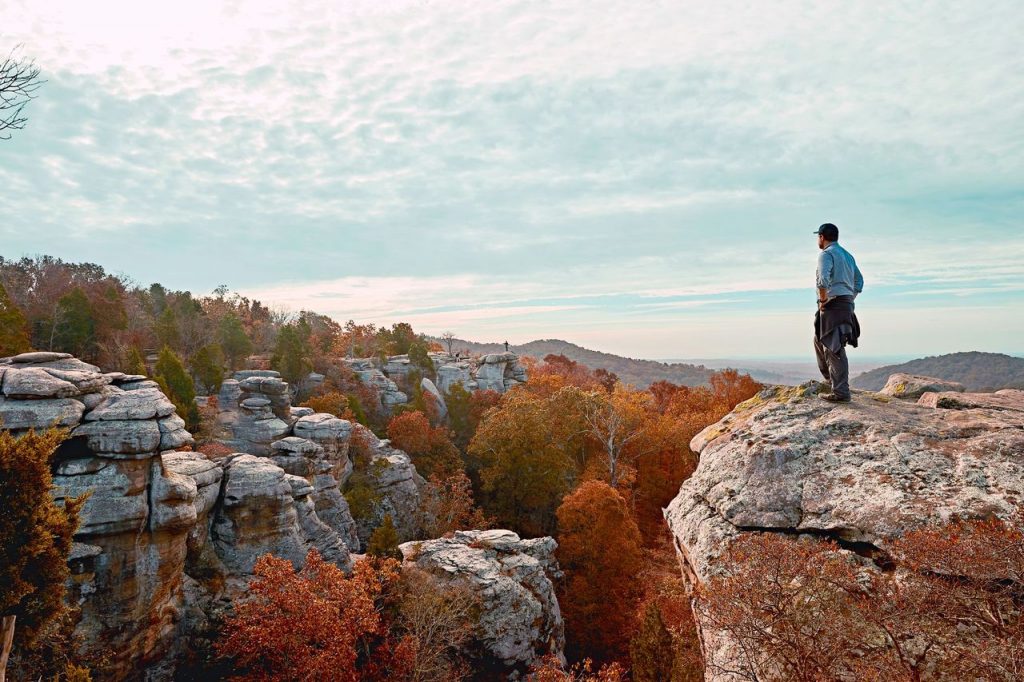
(166,328)
(384,540)
(135,363)
(35,539)
(177,384)
(419,358)
(13,327)
(290,355)
(74,327)
(233,340)
(208,367)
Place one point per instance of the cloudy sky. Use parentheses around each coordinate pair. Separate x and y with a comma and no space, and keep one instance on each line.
(637,177)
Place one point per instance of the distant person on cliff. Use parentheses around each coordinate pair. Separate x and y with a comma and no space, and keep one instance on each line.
(835,324)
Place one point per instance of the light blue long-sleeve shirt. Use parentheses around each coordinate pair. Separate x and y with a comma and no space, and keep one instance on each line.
(838,273)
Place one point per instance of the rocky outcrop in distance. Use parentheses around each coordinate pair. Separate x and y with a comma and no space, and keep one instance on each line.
(861,474)
(491,372)
(169,537)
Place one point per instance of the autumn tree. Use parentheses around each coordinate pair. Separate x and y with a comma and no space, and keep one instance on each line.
(234,342)
(35,539)
(177,384)
(336,403)
(526,463)
(599,550)
(796,609)
(430,447)
(358,340)
(310,624)
(665,645)
(550,669)
(446,505)
(436,620)
(14,337)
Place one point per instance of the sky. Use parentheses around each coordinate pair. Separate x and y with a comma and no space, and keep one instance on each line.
(638,177)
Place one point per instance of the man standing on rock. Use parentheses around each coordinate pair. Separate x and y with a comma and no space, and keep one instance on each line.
(835,324)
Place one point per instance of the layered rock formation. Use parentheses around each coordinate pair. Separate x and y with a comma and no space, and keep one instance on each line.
(493,372)
(158,520)
(520,621)
(862,474)
(393,488)
(169,537)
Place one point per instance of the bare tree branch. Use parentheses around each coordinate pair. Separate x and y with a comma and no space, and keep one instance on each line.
(19,80)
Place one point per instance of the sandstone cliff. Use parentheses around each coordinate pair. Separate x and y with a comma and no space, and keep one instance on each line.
(168,538)
(862,474)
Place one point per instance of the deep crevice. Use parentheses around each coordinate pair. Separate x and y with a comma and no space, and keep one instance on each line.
(862,548)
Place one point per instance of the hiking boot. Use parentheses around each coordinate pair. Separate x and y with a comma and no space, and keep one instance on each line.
(835,398)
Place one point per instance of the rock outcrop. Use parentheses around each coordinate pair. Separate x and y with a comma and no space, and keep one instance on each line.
(520,621)
(493,372)
(393,489)
(162,526)
(862,474)
(169,537)
(908,386)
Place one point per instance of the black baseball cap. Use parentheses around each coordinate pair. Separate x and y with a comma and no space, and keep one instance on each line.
(829,232)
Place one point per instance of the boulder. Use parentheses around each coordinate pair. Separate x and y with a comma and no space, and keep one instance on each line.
(862,473)
(429,388)
(520,621)
(265,510)
(907,386)
(143,403)
(39,414)
(304,458)
(455,372)
(138,385)
(333,435)
(36,382)
(37,356)
(173,433)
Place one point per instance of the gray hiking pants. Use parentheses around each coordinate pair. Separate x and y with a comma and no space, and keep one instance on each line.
(834,367)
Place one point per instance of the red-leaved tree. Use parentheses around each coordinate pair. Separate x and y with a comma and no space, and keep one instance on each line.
(310,624)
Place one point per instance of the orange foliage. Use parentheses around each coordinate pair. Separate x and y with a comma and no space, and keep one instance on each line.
(447,505)
(798,610)
(215,450)
(599,550)
(685,411)
(550,669)
(430,447)
(332,402)
(307,625)
(665,646)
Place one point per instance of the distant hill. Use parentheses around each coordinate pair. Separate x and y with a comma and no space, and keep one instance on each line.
(976,371)
(640,373)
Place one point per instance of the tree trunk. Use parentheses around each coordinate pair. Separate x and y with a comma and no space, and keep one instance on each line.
(6,641)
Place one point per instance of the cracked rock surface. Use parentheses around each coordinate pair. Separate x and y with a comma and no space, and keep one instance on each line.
(862,473)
